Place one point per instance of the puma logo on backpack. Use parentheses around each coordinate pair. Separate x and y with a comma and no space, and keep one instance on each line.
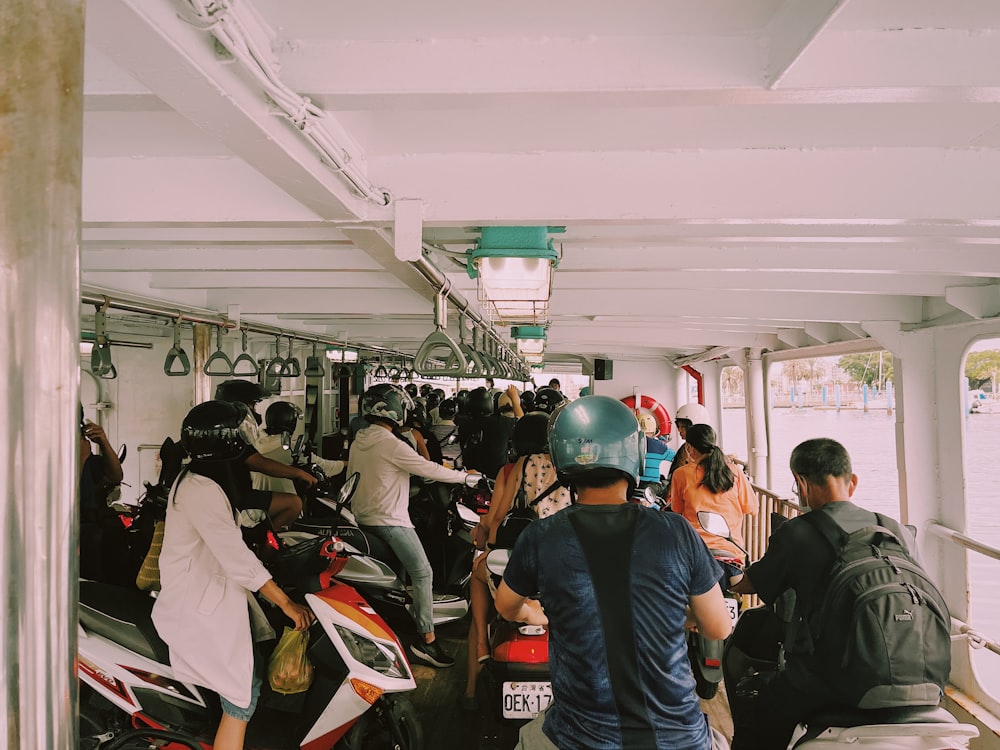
(882,632)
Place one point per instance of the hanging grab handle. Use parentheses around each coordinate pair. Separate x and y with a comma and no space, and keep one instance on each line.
(475,367)
(177,354)
(291,368)
(274,367)
(254,368)
(100,356)
(314,365)
(454,361)
(219,365)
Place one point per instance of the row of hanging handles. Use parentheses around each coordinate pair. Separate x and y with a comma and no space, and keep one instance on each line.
(219,365)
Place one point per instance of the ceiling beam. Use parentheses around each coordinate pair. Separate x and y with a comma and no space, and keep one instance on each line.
(178,63)
(978,301)
(791,31)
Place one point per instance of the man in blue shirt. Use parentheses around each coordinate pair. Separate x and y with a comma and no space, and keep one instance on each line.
(619,583)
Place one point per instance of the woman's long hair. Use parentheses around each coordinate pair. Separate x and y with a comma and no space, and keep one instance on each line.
(718,475)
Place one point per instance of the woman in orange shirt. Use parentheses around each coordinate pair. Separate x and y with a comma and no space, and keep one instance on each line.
(711,483)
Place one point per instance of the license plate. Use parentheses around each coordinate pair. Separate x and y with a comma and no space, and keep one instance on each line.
(525,700)
(733,606)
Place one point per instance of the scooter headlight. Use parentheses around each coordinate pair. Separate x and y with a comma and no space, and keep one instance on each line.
(381,657)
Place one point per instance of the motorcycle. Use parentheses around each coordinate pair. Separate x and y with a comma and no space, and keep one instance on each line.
(130,697)
(372,566)
(518,669)
(704,654)
(753,652)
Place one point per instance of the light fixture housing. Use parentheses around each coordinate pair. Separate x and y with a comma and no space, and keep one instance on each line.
(530,339)
(514,266)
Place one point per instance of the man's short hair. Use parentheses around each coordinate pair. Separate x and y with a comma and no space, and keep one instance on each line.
(598,479)
(820,458)
(554,383)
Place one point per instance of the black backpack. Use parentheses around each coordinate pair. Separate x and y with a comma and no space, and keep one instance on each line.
(881,634)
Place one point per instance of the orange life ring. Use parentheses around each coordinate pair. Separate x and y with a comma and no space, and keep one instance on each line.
(655,407)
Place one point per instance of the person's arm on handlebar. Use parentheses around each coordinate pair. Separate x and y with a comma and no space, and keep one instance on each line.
(257,462)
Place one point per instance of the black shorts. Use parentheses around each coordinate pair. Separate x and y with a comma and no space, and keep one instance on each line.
(256,500)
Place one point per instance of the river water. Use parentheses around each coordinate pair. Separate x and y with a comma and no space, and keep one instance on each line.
(870,439)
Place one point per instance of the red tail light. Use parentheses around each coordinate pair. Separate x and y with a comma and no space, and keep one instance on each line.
(126,520)
(272,541)
(527,651)
(712,663)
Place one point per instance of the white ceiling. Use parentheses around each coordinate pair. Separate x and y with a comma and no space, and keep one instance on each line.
(759,173)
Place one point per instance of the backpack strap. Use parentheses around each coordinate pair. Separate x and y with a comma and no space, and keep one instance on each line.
(837,536)
(548,491)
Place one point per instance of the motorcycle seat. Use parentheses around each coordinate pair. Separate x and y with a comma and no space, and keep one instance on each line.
(123,616)
(853,717)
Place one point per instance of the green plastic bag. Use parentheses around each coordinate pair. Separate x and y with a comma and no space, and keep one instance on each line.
(289,670)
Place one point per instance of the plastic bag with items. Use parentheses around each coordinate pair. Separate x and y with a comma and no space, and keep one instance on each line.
(290,670)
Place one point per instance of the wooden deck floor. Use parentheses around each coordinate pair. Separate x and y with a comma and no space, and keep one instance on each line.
(447,727)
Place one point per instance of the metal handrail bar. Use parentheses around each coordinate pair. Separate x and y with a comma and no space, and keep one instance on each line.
(962,540)
(976,639)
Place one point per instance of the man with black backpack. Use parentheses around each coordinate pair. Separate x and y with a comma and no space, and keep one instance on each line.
(868,630)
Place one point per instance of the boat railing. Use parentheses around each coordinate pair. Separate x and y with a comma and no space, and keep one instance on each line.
(757,528)
(959,628)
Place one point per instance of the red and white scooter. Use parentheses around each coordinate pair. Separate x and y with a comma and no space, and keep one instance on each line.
(129,697)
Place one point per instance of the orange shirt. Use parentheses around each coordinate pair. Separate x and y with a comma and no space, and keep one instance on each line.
(688,496)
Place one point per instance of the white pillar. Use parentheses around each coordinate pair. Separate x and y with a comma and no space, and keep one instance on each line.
(753,377)
(41,143)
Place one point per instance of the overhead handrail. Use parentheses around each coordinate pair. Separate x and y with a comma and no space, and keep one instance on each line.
(380,372)
(219,365)
(454,362)
(277,363)
(314,364)
(100,356)
(492,367)
(244,357)
(291,368)
(177,354)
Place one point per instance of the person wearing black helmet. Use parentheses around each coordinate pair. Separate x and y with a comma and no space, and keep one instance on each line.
(616,581)
(528,482)
(282,507)
(485,438)
(385,463)
(280,422)
(446,431)
(547,399)
(207,573)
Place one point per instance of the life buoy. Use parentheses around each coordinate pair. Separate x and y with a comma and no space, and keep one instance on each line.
(655,407)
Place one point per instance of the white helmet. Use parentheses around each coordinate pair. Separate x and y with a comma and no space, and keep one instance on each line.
(695,413)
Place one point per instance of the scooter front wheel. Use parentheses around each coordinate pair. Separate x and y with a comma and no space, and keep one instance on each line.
(390,724)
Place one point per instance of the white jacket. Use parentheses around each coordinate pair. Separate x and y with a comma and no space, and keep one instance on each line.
(207,574)
(269,446)
(385,464)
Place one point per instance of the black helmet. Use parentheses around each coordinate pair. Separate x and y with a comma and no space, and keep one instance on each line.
(462,401)
(215,431)
(417,415)
(439,392)
(281,416)
(528,401)
(433,400)
(480,402)
(426,388)
(448,408)
(411,390)
(244,391)
(530,434)
(547,399)
(386,402)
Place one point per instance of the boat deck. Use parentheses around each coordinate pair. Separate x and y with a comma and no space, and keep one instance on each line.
(447,727)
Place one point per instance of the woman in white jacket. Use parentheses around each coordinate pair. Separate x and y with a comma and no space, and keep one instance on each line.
(208,574)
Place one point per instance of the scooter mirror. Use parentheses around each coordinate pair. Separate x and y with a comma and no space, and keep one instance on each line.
(650,497)
(496,561)
(713,523)
(347,491)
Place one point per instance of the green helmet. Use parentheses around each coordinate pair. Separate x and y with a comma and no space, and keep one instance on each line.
(596,433)
(386,402)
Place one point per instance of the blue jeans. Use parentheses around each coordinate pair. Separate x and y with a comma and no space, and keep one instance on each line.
(406,544)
